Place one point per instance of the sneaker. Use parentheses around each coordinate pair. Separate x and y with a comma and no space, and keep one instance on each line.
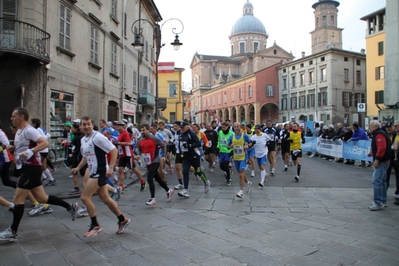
(123,225)
(261,185)
(376,207)
(252,173)
(46,210)
(248,186)
(7,235)
(272,172)
(296,178)
(240,195)
(385,205)
(211,170)
(228,182)
(285,168)
(183,194)
(247,167)
(45,182)
(143,186)
(74,210)
(369,165)
(151,202)
(179,186)
(82,212)
(361,165)
(397,197)
(171,169)
(75,191)
(312,155)
(70,176)
(291,164)
(118,194)
(169,195)
(52,183)
(214,165)
(122,188)
(231,172)
(207,186)
(36,209)
(93,230)
(11,208)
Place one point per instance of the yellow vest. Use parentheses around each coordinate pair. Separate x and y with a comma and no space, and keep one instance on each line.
(297,138)
(239,153)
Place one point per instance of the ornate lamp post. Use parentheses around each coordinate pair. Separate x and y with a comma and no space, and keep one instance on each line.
(138,45)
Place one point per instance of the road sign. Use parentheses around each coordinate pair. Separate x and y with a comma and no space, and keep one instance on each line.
(361,107)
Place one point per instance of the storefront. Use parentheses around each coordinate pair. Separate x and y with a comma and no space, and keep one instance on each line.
(129,110)
(61,110)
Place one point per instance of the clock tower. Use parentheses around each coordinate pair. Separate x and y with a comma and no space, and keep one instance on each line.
(326,34)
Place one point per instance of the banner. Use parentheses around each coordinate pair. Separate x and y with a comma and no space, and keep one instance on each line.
(356,150)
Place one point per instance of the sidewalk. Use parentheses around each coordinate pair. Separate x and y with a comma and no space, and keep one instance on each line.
(65,184)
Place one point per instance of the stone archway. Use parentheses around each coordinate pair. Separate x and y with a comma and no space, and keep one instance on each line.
(226,115)
(233,116)
(251,113)
(241,114)
(269,111)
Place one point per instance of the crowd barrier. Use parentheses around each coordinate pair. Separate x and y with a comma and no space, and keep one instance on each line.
(352,150)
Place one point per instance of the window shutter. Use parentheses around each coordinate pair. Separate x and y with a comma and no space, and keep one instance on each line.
(319,98)
(350,98)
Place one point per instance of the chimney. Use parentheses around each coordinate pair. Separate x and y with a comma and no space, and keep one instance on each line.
(362,51)
(303,54)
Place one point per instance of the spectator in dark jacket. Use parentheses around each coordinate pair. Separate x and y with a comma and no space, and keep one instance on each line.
(347,136)
(359,134)
(339,133)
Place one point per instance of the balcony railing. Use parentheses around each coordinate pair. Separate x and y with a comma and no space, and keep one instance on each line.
(24,38)
(146,98)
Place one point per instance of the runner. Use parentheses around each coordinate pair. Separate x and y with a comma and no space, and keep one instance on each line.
(224,152)
(28,142)
(239,143)
(250,154)
(178,156)
(148,147)
(285,145)
(210,151)
(94,149)
(259,142)
(296,148)
(271,145)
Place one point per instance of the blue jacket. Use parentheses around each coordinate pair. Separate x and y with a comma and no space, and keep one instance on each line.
(359,134)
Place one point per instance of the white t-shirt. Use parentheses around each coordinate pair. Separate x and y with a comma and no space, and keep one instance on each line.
(260,145)
(95,148)
(44,136)
(26,138)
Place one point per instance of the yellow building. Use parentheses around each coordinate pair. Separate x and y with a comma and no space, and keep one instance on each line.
(170,92)
(375,58)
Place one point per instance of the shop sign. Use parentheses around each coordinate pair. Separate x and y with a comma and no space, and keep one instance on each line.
(128,108)
(60,96)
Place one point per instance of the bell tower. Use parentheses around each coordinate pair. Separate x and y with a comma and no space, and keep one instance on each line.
(326,34)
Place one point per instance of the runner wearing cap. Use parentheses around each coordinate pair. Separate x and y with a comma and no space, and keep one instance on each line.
(271,145)
(259,142)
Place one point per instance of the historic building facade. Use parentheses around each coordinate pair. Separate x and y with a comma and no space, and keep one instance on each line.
(64,59)
(244,85)
(327,85)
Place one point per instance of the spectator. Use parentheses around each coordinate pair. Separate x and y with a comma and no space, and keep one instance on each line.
(359,134)
(309,132)
(347,136)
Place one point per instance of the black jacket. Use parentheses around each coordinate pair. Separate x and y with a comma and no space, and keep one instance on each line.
(188,142)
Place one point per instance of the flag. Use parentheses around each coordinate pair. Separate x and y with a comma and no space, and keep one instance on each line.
(166,67)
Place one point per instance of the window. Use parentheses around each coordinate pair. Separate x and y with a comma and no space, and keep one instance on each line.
(134,81)
(124,75)
(213,100)
(269,90)
(233,94)
(359,98)
(379,97)
(346,59)
(302,79)
(94,45)
(324,20)
(172,116)
(124,25)
(293,82)
(332,20)
(311,77)
(311,62)
(225,97)
(317,24)
(114,8)
(358,77)
(65,27)
(209,102)
(322,99)
(284,70)
(301,65)
(310,100)
(358,62)
(173,90)
(219,99)
(284,83)
(242,48)
(250,91)
(380,48)
(322,59)
(284,103)
(146,50)
(346,99)
(379,72)
(310,118)
(256,47)
(143,86)
(346,75)
(302,102)
(323,74)
(113,58)
(240,93)
(293,68)
(294,102)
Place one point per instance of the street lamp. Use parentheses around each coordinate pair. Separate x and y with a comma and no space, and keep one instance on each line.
(138,45)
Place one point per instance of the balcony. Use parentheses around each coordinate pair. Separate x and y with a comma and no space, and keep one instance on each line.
(146,98)
(25,39)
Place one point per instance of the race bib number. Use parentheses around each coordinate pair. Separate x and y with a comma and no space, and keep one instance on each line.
(147,158)
(271,136)
(223,141)
(238,150)
(296,152)
(209,143)
(120,149)
(182,148)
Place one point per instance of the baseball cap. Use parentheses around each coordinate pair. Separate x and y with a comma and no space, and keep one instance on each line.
(120,123)
(76,121)
(269,120)
(258,126)
(184,124)
(243,123)
(68,124)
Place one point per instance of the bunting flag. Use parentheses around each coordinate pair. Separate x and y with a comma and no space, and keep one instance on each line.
(166,67)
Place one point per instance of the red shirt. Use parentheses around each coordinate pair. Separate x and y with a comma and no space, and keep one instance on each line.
(124,151)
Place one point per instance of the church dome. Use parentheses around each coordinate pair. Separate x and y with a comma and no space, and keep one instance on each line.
(248,23)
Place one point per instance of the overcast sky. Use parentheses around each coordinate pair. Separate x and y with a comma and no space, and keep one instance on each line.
(208,23)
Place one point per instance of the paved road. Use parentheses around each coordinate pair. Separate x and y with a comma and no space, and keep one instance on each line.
(322,220)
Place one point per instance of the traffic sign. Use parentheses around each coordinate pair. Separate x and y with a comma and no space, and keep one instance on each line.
(361,107)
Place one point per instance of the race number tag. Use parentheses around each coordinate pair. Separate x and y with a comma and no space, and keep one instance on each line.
(209,143)
(238,150)
(223,141)
(120,149)
(147,158)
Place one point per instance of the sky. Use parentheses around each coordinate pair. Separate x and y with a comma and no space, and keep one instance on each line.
(208,23)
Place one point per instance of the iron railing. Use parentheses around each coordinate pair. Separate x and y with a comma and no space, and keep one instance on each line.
(24,38)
